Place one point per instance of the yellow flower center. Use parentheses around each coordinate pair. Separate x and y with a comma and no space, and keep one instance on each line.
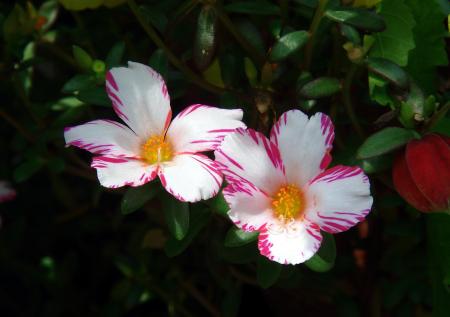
(288,203)
(156,149)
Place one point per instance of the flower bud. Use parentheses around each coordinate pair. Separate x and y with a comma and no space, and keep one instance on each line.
(421,173)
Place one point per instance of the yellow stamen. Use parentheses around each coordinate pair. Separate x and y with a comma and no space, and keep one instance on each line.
(288,203)
(156,149)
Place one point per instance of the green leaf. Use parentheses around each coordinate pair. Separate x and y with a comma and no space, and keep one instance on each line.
(376,164)
(378,90)
(83,59)
(79,82)
(389,71)
(320,87)
(236,237)
(154,16)
(288,45)
(267,272)
(259,7)
(66,103)
(27,169)
(115,55)
(198,219)
(397,40)
(219,205)
(359,18)
(94,96)
(324,259)
(177,217)
(384,141)
(430,49)
(412,109)
(205,37)
(252,35)
(136,197)
(351,34)
(158,61)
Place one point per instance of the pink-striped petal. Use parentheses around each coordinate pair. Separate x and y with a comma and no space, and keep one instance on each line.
(191,177)
(247,156)
(113,172)
(200,128)
(6,192)
(290,244)
(140,98)
(250,209)
(104,137)
(304,144)
(339,198)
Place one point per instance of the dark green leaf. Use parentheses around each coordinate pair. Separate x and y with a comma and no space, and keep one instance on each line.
(351,34)
(259,7)
(136,197)
(288,44)
(359,18)
(78,82)
(252,35)
(396,41)
(158,61)
(389,71)
(115,55)
(198,219)
(412,109)
(219,205)
(177,217)
(320,87)
(267,272)
(324,259)
(239,255)
(385,141)
(94,96)
(205,37)
(27,169)
(83,59)
(377,164)
(154,16)
(236,237)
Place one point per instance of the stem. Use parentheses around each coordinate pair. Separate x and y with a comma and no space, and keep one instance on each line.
(193,77)
(348,100)
(313,31)
(258,58)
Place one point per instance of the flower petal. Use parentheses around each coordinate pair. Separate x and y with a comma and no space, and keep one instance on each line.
(248,156)
(191,177)
(200,128)
(6,192)
(140,98)
(113,172)
(250,209)
(292,245)
(304,144)
(105,137)
(338,198)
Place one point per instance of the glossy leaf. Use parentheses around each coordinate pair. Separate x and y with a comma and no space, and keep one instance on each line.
(320,87)
(115,55)
(324,259)
(94,96)
(389,71)
(288,45)
(385,141)
(236,237)
(83,59)
(205,37)
(136,197)
(359,18)
(177,217)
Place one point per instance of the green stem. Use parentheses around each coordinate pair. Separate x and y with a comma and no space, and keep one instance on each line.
(313,31)
(346,94)
(193,77)
(258,58)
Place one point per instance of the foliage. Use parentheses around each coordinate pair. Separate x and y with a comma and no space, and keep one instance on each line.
(70,247)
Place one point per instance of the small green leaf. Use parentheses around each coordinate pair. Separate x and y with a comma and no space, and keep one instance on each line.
(324,259)
(79,82)
(27,169)
(389,71)
(205,37)
(219,205)
(359,18)
(177,217)
(320,87)
(94,96)
(288,45)
(267,272)
(136,197)
(261,7)
(66,103)
(236,237)
(350,33)
(115,55)
(83,59)
(198,219)
(385,141)
(412,109)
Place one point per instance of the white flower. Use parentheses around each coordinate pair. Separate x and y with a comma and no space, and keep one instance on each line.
(6,192)
(280,187)
(152,145)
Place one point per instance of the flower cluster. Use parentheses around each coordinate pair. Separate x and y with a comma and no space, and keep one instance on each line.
(278,186)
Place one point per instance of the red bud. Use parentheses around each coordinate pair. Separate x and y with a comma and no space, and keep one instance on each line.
(421,173)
